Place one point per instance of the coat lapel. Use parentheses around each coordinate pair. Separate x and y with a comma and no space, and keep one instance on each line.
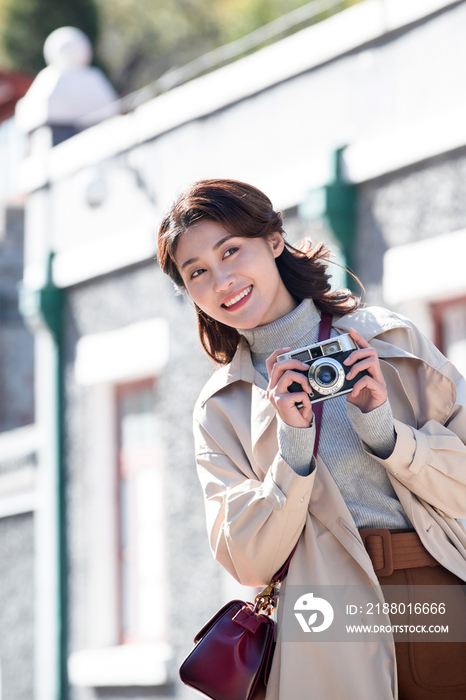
(263,428)
(262,413)
(405,388)
(368,324)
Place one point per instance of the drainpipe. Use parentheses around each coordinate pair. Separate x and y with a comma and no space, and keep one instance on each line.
(42,308)
(335,203)
(52,110)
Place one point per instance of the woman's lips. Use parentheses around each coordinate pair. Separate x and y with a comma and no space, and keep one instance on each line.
(238,300)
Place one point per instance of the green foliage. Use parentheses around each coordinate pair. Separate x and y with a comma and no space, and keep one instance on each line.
(240,17)
(26,24)
(141,41)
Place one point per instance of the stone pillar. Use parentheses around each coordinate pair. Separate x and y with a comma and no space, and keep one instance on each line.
(69,94)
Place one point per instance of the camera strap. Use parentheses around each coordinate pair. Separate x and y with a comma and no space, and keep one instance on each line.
(325,328)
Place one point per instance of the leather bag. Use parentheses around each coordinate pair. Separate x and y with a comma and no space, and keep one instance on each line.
(233,652)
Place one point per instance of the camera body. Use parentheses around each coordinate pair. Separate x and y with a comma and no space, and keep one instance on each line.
(326,373)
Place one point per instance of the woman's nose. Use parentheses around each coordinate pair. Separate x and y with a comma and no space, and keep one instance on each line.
(223,281)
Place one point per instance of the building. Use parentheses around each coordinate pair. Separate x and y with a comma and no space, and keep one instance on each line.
(18,437)
(355,129)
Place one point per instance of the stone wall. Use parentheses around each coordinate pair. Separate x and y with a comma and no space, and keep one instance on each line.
(413,204)
(17,607)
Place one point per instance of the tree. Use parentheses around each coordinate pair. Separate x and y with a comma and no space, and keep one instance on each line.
(26,24)
(141,41)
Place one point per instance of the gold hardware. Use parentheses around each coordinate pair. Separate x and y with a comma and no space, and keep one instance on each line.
(265,600)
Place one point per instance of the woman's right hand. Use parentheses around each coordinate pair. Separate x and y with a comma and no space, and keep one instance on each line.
(281,376)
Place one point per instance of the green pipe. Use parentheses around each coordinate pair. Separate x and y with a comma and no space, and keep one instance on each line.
(44,307)
(336,204)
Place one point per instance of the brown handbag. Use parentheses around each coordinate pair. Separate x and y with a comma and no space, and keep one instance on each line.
(233,652)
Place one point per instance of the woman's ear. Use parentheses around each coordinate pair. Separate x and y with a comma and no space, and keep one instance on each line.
(276,243)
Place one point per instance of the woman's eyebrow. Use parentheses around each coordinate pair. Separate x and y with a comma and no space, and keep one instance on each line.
(214,247)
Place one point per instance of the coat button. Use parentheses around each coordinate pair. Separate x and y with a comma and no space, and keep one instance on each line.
(302,500)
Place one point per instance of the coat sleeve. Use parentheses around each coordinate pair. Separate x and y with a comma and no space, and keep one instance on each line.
(430,459)
(253,525)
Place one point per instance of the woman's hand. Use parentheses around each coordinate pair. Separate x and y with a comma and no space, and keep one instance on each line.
(281,376)
(370,391)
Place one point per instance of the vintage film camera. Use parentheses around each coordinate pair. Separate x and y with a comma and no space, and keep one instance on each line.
(326,373)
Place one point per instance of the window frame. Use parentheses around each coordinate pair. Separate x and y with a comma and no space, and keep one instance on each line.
(438,309)
(121,391)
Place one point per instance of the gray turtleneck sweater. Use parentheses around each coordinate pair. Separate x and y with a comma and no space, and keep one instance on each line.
(362,481)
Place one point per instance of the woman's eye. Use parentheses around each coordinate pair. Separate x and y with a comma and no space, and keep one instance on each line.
(229,252)
(196,273)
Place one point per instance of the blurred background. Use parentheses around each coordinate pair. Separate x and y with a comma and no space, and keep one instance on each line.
(351,116)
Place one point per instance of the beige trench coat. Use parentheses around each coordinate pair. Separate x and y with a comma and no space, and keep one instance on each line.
(257,507)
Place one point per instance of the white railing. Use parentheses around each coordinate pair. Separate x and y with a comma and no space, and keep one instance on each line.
(293,20)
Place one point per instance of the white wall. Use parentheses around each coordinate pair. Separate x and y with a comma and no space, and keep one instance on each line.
(277,136)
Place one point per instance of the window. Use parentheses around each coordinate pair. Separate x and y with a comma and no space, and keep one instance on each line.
(450,330)
(141,506)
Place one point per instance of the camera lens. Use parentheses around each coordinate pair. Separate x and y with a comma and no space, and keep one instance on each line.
(326,375)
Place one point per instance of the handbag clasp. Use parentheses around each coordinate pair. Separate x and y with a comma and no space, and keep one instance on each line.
(266,600)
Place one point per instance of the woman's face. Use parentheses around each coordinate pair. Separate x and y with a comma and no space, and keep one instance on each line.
(233,279)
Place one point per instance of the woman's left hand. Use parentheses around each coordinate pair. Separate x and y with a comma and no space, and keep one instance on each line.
(370,391)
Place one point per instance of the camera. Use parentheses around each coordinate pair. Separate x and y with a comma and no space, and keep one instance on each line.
(326,371)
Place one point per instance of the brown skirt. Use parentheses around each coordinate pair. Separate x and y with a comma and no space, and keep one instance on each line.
(429,670)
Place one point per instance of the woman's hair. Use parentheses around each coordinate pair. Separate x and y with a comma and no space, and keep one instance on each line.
(246,211)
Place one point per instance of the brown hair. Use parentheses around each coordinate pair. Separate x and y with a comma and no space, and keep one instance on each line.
(246,211)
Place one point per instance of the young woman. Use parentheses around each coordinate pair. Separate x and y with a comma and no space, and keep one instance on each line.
(380,502)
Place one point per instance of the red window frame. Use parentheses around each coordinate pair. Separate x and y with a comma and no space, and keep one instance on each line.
(123,391)
(438,313)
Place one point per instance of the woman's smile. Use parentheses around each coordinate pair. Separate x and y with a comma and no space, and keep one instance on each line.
(237,300)
(233,279)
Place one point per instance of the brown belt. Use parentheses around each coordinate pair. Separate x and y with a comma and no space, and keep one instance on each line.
(391,550)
